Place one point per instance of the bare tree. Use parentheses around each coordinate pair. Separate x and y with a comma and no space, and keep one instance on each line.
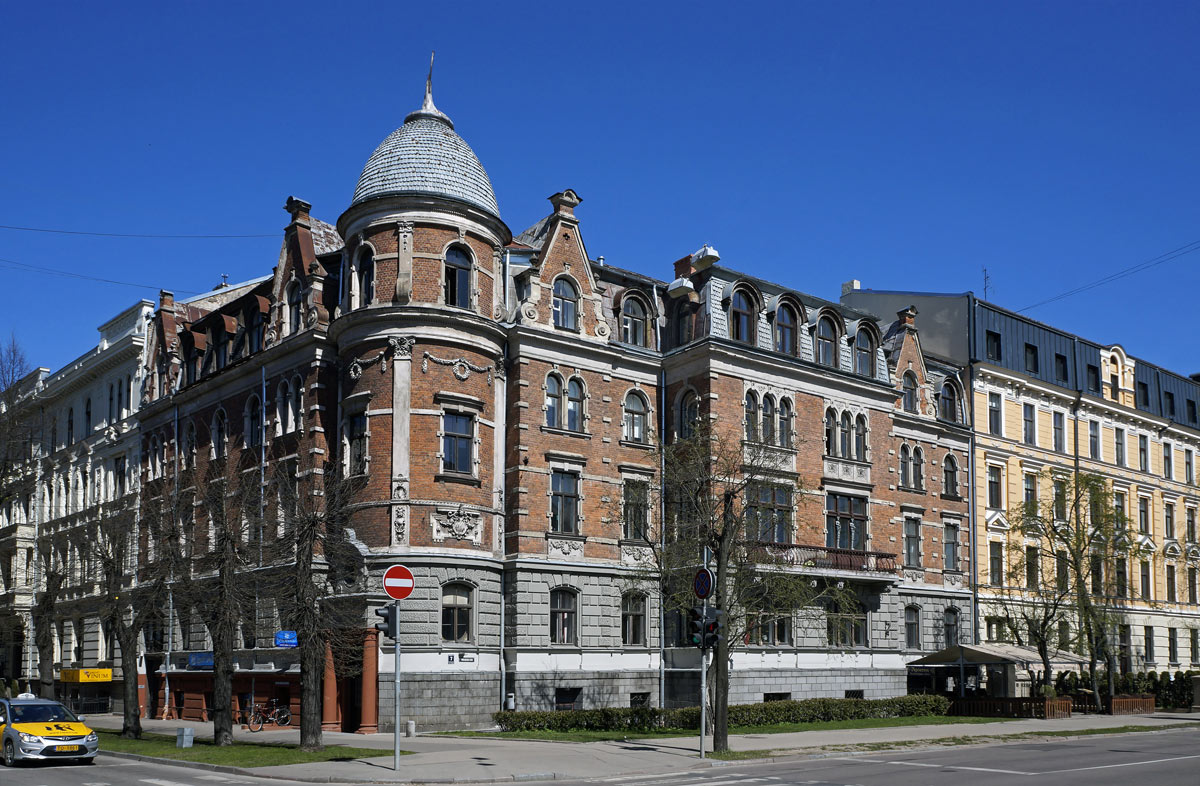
(16,423)
(53,570)
(730,504)
(1072,564)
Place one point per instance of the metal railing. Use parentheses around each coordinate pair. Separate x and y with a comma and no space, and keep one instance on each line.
(826,558)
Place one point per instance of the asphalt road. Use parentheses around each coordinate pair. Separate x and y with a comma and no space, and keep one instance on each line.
(1161,758)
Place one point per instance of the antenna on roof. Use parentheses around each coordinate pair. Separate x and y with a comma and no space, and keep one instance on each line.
(987,284)
(429,81)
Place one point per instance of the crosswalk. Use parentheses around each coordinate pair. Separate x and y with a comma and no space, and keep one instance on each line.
(214,779)
(701,778)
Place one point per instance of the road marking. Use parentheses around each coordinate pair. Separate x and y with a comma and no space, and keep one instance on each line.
(1125,764)
(644,777)
(157,782)
(945,766)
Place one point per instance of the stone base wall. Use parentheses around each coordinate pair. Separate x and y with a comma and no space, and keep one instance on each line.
(748,687)
(541,690)
(440,702)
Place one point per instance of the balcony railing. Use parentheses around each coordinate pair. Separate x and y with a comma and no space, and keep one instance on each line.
(831,559)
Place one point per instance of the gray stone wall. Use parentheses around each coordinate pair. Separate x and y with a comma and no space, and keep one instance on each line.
(598,608)
(537,690)
(748,687)
(441,701)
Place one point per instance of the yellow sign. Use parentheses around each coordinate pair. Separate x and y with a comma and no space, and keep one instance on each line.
(86,675)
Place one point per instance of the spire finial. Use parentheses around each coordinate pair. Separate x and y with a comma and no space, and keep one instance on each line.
(427,108)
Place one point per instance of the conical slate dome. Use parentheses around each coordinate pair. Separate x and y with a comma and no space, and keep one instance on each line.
(426,157)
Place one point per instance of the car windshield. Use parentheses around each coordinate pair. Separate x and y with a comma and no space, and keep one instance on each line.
(42,713)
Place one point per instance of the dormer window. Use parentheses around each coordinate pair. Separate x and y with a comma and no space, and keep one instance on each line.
(293,308)
(826,342)
(633,322)
(366,280)
(909,392)
(741,318)
(785,330)
(566,305)
(948,403)
(458,278)
(864,353)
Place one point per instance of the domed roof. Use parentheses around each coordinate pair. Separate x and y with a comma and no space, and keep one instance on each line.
(425,156)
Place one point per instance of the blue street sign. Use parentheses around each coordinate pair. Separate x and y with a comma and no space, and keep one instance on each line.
(702,585)
(286,638)
(200,660)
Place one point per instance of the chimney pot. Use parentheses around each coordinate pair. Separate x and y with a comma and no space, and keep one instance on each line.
(851,285)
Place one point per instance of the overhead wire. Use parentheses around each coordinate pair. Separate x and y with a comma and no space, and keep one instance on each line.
(133,235)
(24,267)
(1168,256)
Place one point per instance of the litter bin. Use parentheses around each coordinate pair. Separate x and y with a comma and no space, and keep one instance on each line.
(184,737)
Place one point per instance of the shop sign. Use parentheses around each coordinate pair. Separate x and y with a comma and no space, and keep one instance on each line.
(200,660)
(286,638)
(85,675)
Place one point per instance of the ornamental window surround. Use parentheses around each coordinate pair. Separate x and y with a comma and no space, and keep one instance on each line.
(563,605)
(293,299)
(743,317)
(634,424)
(908,398)
(784,330)
(864,353)
(826,353)
(456,613)
(634,322)
(456,285)
(633,619)
(565,304)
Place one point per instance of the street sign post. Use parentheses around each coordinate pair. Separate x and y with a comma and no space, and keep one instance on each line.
(398,583)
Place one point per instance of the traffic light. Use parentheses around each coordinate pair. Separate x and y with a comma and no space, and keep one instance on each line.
(714,624)
(389,625)
(707,625)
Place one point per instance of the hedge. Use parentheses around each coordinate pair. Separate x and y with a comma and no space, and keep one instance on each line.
(652,718)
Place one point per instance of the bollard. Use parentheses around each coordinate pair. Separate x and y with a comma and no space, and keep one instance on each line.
(410,728)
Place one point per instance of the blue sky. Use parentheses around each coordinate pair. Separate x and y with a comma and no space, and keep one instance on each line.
(908,145)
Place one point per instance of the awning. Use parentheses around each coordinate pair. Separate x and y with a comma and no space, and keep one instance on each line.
(998,654)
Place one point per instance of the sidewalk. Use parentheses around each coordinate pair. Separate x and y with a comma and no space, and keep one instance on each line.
(437,759)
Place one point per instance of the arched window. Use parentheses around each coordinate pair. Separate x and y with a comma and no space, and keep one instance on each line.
(293,308)
(87,418)
(566,305)
(254,328)
(456,613)
(950,626)
(684,324)
(282,399)
(785,423)
(830,433)
(458,278)
(826,342)
(741,317)
(751,417)
(633,322)
(554,401)
(785,330)
(950,476)
(252,428)
(635,418)
(296,404)
(562,616)
(948,403)
(689,415)
(633,619)
(846,431)
(905,467)
(864,353)
(575,405)
(909,392)
(366,280)
(918,467)
(768,420)
(860,438)
(220,434)
(155,457)
(189,445)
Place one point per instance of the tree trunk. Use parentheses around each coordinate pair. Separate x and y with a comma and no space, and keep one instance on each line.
(1043,648)
(222,709)
(721,651)
(131,721)
(312,675)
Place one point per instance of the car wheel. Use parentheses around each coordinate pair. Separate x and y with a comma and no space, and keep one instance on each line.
(88,760)
(10,754)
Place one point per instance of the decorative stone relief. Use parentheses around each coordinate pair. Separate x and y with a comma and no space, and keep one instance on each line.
(914,575)
(952,579)
(400,488)
(602,329)
(637,555)
(564,548)
(457,524)
(460,367)
(398,346)
(400,523)
(853,471)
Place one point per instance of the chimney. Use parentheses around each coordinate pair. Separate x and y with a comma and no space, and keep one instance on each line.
(565,202)
(683,267)
(166,301)
(908,316)
(851,286)
(1195,377)
(298,209)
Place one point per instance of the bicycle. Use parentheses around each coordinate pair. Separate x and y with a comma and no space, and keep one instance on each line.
(276,714)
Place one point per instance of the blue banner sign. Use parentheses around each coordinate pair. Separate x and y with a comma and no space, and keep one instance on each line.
(286,638)
(200,660)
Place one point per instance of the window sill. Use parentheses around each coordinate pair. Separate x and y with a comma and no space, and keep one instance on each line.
(951,497)
(455,477)
(910,490)
(639,445)
(567,536)
(638,542)
(566,432)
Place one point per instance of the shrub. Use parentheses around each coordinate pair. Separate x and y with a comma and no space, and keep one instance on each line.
(651,718)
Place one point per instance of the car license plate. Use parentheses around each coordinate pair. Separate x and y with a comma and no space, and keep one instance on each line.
(66,748)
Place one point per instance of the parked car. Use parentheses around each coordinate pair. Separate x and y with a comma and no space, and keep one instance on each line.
(33,729)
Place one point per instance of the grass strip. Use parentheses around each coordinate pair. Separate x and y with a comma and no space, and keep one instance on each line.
(774,728)
(240,754)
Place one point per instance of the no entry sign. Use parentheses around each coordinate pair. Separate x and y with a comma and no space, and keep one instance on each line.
(398,582)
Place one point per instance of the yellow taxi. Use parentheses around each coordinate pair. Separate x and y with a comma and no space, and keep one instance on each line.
(33,729)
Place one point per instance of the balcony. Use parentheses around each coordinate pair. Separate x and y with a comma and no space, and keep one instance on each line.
(847,470)
(843,563)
